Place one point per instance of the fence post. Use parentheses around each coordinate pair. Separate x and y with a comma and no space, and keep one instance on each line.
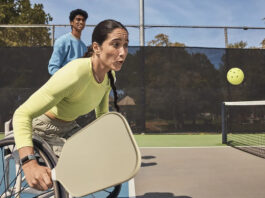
(142,41)
(226,37)
(53,31)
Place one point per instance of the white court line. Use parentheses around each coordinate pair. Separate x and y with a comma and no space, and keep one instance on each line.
(131,187)
(191,147)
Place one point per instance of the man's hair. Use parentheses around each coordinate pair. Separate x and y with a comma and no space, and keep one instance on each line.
(76,12)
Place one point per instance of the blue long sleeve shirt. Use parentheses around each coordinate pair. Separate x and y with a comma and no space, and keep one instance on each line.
(66,49)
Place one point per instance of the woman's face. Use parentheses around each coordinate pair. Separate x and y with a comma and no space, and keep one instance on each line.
(114,49)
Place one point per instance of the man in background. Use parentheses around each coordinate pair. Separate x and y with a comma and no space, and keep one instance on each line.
(69,46)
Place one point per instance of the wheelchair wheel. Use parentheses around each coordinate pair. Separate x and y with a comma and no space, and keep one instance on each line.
(12,179)
(13,183)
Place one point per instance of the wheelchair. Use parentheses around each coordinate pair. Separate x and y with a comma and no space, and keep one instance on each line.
(13,183)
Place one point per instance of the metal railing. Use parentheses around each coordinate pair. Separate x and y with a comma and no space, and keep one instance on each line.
(53,26)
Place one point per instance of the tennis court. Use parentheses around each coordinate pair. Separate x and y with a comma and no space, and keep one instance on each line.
(201,172)
(205,168)
(195,171)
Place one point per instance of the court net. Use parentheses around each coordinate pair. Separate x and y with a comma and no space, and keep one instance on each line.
(243,126)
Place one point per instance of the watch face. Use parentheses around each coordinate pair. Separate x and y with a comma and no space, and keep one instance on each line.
(31,157)
(27,158)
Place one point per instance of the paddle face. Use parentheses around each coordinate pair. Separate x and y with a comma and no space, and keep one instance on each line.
(101,155)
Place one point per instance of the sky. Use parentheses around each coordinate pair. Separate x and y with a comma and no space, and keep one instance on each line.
(169,12)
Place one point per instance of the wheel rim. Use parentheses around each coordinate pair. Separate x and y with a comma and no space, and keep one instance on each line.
(9,187)
(12,180)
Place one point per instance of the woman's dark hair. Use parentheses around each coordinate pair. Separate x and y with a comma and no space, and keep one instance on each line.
(76,12)
(99,35)
(101,31)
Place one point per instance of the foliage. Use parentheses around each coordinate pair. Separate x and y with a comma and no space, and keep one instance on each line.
(172,84)
(240,45)
(252,62)
(162,40)
(179,85)
(181,89)
(263,44)
(21,12)
(243,45)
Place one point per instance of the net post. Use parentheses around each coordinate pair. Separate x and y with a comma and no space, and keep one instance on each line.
(223,118)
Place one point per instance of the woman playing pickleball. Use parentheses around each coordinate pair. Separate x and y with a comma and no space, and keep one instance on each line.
(81,87)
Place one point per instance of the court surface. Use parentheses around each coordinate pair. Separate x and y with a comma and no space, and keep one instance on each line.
(200,172)
(197,172)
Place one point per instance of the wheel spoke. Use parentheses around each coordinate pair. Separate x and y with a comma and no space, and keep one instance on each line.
(13,183)
(107,191)
(48,193)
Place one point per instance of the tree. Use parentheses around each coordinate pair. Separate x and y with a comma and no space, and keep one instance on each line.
(21,12)
(263,44)
(178,87)
(163,40)
(240,45)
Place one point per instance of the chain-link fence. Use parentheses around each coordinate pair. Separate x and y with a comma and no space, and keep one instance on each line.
(161,89)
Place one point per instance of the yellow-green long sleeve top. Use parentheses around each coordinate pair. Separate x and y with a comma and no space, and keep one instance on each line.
(68,94)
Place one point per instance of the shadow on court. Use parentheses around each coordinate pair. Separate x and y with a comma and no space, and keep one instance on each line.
(161,195)
(147,157)
(144,158)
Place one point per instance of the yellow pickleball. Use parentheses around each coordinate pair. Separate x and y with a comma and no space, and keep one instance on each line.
(235,76)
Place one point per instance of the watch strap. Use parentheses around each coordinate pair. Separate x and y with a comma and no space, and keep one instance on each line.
(27,158)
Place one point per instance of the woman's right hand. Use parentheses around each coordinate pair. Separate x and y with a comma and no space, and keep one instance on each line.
(38,177)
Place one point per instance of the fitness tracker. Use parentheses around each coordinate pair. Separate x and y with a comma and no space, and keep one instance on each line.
(27,158)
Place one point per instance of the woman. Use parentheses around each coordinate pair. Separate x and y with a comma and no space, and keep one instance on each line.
(75,90)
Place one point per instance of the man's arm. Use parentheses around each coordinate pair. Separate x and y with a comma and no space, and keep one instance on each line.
(60,51)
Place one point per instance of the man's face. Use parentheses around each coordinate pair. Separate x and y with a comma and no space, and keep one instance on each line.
(78,23)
